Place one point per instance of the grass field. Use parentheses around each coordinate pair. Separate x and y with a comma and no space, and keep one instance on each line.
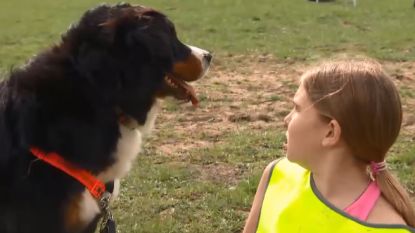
(200,169)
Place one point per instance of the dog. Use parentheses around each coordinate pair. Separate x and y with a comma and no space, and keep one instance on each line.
(83,106)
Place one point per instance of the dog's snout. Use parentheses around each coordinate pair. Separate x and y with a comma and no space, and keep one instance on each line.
(208,57)
(202,54)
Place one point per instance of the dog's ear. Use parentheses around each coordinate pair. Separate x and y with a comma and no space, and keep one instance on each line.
(100,69)
(106,32)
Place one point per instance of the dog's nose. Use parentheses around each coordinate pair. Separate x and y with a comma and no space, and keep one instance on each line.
(208,57)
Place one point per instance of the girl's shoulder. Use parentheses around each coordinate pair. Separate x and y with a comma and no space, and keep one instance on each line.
(270,167)
(384,213)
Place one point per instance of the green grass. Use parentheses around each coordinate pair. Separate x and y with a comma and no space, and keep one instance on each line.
(241,148)
(403,161)
(287,28)
(181,196)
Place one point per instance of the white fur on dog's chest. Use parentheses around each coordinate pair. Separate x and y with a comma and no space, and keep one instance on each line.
(128,147)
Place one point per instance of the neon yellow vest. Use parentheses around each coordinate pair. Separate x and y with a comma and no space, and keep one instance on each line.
(292,204)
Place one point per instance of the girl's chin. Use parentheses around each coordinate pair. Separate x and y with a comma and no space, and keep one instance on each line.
(290,157)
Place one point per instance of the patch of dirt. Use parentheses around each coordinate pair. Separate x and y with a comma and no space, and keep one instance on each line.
(250,92)
(220,173)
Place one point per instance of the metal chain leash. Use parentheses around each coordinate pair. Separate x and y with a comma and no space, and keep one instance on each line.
(107,222)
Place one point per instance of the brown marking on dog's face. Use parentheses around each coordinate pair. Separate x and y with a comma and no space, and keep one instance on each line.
(188,70)
(191,68)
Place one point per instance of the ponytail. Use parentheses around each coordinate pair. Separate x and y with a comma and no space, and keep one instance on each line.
(396,195)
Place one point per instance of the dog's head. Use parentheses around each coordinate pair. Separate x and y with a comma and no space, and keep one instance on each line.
(131,55)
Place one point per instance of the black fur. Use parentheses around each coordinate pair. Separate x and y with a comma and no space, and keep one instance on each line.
(65,99)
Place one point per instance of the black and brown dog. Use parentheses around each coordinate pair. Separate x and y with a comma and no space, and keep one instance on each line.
(90,100)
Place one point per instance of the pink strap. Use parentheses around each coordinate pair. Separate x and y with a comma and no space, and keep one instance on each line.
(362,206)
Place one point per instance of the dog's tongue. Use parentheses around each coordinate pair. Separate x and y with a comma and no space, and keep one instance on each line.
(189,90)
(192,94)
(195,101)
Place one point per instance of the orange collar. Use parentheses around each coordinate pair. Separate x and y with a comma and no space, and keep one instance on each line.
(95,186)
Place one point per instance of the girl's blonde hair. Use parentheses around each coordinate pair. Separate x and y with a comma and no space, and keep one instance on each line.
(366,103)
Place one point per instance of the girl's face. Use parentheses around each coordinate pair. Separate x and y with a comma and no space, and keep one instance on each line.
(305,131)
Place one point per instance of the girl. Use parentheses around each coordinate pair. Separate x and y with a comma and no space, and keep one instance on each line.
(345,118)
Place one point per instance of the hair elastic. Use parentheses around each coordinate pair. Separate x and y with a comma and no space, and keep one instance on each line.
(376,167)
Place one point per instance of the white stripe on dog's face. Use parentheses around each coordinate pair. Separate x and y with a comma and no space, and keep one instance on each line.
(198,51)
(204,56)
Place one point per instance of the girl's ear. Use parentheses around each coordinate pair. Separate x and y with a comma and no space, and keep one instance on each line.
(333,134)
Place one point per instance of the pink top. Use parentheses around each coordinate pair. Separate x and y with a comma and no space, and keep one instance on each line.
(364,204)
